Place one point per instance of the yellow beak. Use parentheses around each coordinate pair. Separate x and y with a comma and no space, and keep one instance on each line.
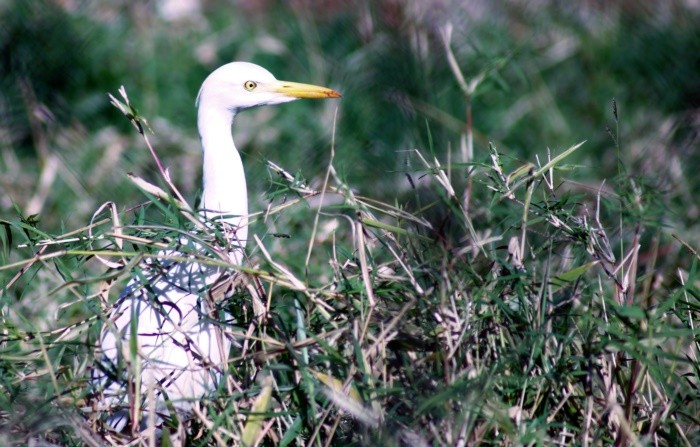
(297,90)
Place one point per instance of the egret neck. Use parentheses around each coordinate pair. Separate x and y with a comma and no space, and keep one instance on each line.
(225,195)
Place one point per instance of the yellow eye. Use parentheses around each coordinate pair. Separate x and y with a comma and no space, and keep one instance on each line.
(250,85)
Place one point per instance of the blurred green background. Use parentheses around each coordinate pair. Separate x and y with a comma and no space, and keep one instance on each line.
(551,71)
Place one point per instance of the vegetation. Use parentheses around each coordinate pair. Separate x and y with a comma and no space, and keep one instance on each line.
(492,239)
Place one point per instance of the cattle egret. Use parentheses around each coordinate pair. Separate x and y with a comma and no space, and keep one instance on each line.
(162,341)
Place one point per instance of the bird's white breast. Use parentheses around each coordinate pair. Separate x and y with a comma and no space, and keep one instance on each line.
(179,349)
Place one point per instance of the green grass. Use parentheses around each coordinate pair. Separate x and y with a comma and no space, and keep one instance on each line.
(538,291)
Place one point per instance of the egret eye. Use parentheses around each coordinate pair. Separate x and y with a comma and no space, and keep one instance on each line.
(250,85)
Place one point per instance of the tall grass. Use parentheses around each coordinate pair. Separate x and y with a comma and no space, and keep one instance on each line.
(494,296)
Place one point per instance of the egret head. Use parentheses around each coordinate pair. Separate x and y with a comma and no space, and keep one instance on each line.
(240,85)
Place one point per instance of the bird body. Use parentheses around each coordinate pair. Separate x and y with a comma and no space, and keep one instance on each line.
(163,338)
(178,350)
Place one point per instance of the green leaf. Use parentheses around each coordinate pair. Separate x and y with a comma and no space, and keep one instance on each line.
(570,276)
(631,312)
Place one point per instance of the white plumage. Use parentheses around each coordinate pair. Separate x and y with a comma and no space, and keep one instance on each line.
(179,349)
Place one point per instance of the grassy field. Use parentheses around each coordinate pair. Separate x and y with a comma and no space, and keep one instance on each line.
(492,239)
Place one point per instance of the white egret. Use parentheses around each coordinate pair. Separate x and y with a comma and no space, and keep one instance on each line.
(162,340)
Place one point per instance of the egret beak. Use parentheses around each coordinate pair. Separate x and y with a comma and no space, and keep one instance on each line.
(297,90)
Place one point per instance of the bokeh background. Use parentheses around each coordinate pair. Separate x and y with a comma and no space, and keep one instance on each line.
(550,72)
